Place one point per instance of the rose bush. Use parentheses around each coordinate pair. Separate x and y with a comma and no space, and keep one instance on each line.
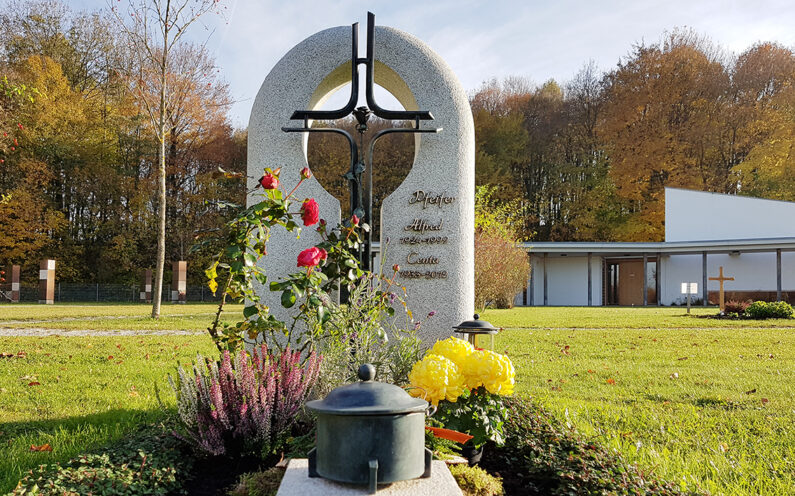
(328,265)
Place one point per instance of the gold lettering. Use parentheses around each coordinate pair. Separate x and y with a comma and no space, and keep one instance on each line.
(423,225)
(414,258)
(428,198)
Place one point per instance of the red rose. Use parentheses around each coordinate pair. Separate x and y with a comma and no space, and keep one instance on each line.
(306,173)
(310,213)
(354,221)
(269,181)
(311,257)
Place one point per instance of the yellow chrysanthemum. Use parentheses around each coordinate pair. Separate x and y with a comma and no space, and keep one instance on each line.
(435,378)
(492,370)
(454,349)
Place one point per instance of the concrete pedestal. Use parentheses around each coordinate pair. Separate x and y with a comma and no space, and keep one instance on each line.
(296,482)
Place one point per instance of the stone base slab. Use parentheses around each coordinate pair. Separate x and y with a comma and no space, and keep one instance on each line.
(296,482)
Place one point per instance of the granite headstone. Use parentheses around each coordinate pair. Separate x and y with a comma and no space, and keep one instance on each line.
(428,221)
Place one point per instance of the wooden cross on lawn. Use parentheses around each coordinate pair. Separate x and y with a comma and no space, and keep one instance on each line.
(721,278)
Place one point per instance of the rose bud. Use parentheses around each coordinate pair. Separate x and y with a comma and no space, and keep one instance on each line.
(354,221)
(396,268)
(269,181)
(306,173)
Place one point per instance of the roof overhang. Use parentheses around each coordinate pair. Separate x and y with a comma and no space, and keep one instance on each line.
(729,246)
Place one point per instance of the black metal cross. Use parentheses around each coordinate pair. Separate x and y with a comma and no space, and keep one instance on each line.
(362,206)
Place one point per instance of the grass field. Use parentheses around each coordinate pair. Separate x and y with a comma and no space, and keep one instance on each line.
(698,401)
(71,317)
(707,403)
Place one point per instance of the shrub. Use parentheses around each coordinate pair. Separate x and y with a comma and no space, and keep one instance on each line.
(501,270)
(474,481)
(769,310)
(146,463)
(545,457)
(501,266)
(367,329)
(247,403)
(264,483)
(736,307)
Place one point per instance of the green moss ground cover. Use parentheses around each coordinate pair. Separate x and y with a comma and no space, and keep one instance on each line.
(708,404)
(710,409)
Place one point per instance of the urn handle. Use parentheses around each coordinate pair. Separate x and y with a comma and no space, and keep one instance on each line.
(367,372)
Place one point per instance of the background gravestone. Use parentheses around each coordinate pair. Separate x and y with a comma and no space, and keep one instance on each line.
(428,221)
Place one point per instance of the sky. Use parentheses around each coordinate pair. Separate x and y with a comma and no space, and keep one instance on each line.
(480,40)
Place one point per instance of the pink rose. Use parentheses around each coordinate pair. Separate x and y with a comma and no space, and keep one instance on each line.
(269,181)
(310,213)
(311,257)
(354,221)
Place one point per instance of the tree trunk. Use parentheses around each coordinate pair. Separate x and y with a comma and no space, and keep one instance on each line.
(161,173)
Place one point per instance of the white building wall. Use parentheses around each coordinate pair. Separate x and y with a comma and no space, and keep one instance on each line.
(751,272)
(567,281)
(701,216)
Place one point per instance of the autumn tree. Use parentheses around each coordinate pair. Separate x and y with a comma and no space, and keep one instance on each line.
(154,30)
(661,127)
(763,154)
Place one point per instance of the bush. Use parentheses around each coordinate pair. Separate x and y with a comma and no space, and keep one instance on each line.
(148,463)
(474,481)
(501,270)
(733,307)
(245,405)
(368,329)
(769,310)
(501,266)
(265,483)
(541,456)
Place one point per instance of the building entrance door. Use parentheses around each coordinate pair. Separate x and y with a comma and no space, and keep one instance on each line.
(630,283)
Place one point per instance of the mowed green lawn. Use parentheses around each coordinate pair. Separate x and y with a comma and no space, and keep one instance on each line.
(707,403)
(108,317)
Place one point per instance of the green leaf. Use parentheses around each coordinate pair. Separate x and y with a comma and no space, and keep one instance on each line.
(288,299)
(250,259)
(249,311)
(233,251)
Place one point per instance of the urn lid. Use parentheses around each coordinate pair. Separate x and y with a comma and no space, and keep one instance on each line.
(368,397)
(476,326)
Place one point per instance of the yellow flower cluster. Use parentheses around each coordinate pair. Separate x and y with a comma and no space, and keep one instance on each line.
(436,378)
(453,348)
(454,364)
(493,371)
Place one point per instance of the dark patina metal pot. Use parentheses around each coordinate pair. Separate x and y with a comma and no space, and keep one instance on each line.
(369,433)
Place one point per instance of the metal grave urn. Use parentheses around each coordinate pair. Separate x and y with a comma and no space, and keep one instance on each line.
(370,433)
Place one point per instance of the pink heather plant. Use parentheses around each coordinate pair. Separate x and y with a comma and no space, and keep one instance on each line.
(245,403)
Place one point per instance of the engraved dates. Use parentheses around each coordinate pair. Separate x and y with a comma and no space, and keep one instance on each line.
(416,240)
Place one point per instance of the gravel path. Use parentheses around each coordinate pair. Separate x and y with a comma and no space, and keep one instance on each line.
(34,331)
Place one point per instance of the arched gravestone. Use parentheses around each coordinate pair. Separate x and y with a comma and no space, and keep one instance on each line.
(428,222)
